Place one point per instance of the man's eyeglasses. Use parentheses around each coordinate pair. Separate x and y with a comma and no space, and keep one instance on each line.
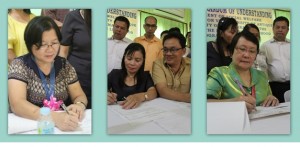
(171,50)
(243,50)
(46,46)
(151,25)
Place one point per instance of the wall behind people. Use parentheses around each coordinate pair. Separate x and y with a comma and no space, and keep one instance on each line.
(166,20)
(36,12)
(263,18)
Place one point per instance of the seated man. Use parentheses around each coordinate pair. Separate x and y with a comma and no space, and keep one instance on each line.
(172,74)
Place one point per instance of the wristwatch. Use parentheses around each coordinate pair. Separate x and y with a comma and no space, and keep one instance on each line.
(81,103)
(146,97)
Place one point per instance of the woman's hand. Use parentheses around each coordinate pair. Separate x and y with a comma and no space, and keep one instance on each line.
(250,102)
(111,98)
(78,109)
(65,121)
(270,101)
(132,101)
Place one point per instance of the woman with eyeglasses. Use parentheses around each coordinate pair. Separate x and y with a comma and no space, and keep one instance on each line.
(43,79)
(131,85)
(239,81)
(218,52)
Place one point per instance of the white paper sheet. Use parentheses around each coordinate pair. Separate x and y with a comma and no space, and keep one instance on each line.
(269,111)
(158,116)
(19,125)
(227,118)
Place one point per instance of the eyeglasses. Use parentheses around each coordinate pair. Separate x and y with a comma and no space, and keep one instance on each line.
(243,50)
(171,50)
(46,46)
(151,25)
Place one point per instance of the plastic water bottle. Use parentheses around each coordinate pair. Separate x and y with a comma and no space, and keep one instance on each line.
(45,123)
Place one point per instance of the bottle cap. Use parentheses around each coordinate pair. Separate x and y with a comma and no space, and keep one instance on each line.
(45,111)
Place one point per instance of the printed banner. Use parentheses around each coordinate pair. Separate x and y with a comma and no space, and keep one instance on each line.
(263,18)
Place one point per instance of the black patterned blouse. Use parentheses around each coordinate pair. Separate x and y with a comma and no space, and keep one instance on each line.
(25,69)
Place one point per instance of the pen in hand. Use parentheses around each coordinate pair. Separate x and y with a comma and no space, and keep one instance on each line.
(110,91)
(243,90)
(64,107)
(240,86)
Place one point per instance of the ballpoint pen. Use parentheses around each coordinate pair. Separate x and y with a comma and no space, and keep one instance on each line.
(64,107)
(110,91)
(243,90)
(240,86)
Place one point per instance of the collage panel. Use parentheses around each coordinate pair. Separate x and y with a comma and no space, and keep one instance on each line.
(149,71)
(248,71)
(49,71)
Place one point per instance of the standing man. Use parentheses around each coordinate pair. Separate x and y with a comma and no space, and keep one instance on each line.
(172,74)
(117,43)
(150,42)
(277,52)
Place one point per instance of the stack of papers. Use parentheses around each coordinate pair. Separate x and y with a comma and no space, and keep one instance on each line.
(282,108)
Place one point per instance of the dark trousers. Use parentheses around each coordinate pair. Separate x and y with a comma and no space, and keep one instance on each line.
(279,88)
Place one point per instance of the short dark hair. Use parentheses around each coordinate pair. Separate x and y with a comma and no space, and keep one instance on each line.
(27,11)
(174,29)
(281,18)
(130,49)
(35,29)
(176,35)
(164,32)
(248,26)
(152,17)
(123,19)
(248,36)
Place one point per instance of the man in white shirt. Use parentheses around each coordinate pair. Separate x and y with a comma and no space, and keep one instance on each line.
(117,44)
(277,52)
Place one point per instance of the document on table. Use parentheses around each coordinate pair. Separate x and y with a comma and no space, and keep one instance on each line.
(282,108)
(18,125)
(227,118)
(157,116)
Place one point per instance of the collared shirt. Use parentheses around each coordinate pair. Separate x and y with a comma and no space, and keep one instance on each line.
(180,82)
(277,59)
(115,51)
(152,48)
(221,84)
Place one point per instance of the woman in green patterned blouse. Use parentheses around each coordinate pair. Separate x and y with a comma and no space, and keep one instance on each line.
(238,81)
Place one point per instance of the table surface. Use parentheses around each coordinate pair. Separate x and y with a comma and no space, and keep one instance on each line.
(158,116)
(277,124)
(19,125)
(274,124)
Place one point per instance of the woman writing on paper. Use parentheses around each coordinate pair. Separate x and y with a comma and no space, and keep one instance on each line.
(238,81)
(131,84)
(41,78)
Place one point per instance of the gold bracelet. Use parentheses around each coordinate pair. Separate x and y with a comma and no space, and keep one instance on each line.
(81,103)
